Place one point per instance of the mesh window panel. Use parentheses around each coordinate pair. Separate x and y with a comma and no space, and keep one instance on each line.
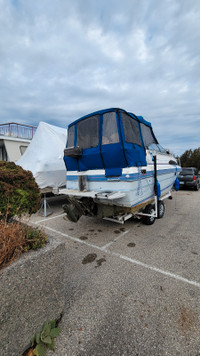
(88,132)
(110,130)
(131,129)
(147,135)
(70,142)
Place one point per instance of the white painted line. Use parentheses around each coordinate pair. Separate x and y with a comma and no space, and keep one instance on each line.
(155,269)
(117,238)
(128,259)
(53,217)
(72,238)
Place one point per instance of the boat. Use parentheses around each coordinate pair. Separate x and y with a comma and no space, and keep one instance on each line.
(44,158)
(14,140)
(116,169)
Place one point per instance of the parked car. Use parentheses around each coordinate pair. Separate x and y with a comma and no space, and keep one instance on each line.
(189,178)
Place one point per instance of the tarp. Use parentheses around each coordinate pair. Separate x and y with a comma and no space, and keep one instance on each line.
(44,156)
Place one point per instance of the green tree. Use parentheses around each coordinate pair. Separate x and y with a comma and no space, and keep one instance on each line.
(191,158)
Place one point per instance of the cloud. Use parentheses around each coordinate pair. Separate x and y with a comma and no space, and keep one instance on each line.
(61,60)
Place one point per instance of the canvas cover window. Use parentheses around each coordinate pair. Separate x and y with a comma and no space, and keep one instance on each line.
(88,132)
(131,129)
(110,131)
(71,136)
(147,135)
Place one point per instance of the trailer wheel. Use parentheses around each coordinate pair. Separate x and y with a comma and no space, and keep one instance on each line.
(161,209)
(149,220)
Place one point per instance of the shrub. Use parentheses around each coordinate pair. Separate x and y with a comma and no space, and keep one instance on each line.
(34,238)
(16,238)
(12,241)
(18,191)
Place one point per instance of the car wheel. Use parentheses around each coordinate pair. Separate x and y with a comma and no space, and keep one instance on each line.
(196,187)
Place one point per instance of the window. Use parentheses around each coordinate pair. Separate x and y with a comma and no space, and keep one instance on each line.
(148,137)
(131,129)
(88,132)
(162,149)
(154,147)
(22,149)
(110,131)
(70,142)
(3,154)
(188,171)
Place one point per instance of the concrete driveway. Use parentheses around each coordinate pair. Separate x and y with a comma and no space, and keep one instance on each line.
(131,289)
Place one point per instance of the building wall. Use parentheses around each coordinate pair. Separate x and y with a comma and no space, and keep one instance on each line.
(12,150)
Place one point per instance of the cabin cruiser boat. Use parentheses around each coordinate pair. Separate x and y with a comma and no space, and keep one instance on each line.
(14,140)
(116,168)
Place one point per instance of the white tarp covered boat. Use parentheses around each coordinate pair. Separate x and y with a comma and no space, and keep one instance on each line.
(44,157)
(116,168)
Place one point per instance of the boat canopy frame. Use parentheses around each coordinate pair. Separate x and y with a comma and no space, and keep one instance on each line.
(109,139)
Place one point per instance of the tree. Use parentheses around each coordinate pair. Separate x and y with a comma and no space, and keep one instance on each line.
(191,158)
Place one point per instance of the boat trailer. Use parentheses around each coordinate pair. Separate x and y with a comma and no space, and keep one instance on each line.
(150,216)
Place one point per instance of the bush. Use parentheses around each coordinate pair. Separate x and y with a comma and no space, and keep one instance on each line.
(16,238)
(12,242)
(18,191)
(34,238)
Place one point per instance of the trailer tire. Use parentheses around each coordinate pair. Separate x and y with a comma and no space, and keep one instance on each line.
(149,220)
(161,209)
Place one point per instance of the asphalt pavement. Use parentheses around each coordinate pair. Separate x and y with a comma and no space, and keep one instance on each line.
(131,289)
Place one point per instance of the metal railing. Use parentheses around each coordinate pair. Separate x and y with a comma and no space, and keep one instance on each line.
(13,129)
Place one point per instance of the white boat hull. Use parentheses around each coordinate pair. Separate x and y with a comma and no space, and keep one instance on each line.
(134,187)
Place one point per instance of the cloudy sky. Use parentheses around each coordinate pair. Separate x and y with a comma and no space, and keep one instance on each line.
(60,60)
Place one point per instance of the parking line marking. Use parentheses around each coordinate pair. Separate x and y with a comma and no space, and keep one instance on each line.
(155,269)
(51,218)
(117,238)
(128,259)
(76,239)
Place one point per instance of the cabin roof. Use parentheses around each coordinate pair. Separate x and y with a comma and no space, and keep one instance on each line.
(138,118)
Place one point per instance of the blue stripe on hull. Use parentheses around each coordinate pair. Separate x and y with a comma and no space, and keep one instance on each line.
(132,176)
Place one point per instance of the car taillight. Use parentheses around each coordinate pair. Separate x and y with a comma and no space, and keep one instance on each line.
(194,178)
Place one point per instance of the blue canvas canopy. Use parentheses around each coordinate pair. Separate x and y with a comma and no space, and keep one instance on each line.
(108,139)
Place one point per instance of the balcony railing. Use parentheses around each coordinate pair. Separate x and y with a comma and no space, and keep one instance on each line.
(13,129)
